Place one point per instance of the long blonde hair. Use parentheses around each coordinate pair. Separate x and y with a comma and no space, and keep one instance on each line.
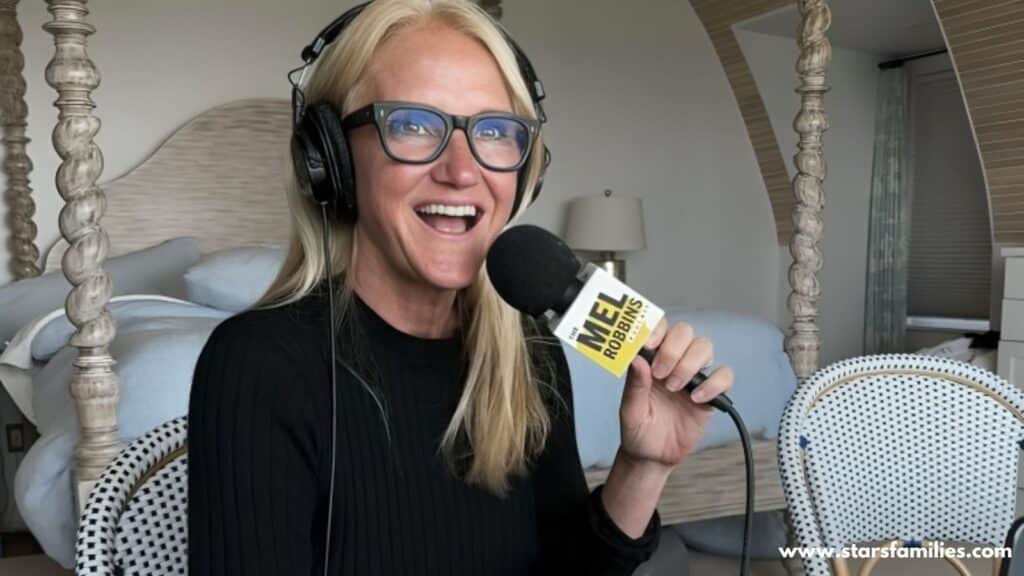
(501,413)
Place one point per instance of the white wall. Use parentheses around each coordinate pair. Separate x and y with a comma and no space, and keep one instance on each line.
(640,104)
(637,103)
(848,148)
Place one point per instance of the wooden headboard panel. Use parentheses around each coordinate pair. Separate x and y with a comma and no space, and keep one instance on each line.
(220,178)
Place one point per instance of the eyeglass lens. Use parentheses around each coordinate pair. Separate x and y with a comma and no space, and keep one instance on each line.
(415,135)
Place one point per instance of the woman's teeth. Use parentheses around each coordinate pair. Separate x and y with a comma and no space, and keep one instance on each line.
(465,210)
(448,219)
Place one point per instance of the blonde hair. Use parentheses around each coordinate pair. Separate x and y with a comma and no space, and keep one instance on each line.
(501,414)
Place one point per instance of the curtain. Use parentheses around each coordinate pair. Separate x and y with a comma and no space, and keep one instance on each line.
(885,307)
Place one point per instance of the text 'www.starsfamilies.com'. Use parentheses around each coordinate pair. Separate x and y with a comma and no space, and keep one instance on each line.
(927,550)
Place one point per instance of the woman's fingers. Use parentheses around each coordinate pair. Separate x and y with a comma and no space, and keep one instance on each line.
(635,404)
(719,382)
(679,357)
(654,340)
(671,350)
(639,374)
(699,354)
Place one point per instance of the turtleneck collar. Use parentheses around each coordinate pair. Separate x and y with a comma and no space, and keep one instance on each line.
(405,346)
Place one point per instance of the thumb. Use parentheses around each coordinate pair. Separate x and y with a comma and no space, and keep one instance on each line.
(639,374)
(635,395)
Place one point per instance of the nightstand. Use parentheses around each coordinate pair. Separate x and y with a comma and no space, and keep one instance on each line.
(1011,342)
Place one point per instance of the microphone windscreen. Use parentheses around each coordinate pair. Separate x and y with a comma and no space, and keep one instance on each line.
(531,268)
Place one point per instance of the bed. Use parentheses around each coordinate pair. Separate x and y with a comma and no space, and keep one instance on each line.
(217,163)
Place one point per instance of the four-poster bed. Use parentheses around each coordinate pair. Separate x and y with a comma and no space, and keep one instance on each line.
(172,195)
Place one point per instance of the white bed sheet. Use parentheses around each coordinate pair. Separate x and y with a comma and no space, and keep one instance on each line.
(158,343)
(17,364)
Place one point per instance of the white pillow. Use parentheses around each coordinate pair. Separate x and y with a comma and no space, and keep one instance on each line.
(154,270)
(234,279)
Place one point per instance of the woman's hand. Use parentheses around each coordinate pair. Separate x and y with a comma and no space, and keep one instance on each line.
(659,425)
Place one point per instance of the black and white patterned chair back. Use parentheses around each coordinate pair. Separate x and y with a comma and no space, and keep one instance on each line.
(900,447)
(136,518)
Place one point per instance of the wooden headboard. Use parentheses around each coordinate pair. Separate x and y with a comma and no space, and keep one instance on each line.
(219,178)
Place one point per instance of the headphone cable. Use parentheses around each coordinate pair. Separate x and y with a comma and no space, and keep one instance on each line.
(334,383)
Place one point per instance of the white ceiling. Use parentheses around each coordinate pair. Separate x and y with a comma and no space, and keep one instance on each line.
(889,28)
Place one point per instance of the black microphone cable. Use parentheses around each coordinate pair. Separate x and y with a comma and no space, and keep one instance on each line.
(748,460)
(724,404)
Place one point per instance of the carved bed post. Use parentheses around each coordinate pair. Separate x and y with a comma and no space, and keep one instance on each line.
(17,166)
(803,341)
(94,384)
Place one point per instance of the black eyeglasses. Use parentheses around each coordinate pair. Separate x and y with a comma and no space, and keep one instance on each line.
(418,134)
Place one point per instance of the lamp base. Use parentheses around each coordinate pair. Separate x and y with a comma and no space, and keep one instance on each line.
(611,265)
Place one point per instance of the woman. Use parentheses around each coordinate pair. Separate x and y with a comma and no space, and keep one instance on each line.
(456,449)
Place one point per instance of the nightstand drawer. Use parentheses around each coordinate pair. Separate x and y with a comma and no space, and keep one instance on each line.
(1013,320)
(1011,362)
(1013,287)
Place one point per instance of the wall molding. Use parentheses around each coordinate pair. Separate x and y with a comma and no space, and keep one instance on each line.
(718,18)
(986,45)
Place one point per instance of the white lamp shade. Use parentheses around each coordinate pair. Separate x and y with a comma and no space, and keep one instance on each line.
(605,224)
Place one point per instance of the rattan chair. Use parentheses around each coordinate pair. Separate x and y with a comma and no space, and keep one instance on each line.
(906,449)
(136,518)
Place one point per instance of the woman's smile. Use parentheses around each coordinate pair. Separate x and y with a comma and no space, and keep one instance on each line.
(450,220)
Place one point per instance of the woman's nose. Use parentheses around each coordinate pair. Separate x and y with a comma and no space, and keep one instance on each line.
(457,166)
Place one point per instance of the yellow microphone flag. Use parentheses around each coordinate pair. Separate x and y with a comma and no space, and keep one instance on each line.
(608,322)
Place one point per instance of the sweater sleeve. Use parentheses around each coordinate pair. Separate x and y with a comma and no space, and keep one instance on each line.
(576,534)
(253,460)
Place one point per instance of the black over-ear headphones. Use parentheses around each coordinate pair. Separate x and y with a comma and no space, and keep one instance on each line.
(320,151)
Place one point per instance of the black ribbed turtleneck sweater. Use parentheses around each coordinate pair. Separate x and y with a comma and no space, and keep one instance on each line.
(259,462)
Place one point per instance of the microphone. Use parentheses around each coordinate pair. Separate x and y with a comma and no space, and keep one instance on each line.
(535,272)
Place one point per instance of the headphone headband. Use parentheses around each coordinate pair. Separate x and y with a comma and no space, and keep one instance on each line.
(330,32)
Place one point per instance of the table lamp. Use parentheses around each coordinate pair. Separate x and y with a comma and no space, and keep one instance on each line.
(606,224)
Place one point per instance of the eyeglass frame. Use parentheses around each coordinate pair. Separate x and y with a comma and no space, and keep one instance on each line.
(377,112)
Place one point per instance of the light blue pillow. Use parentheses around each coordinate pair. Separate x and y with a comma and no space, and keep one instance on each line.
(158,269)
(234,279)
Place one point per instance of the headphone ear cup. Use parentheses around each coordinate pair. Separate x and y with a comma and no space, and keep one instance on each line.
(337,158)
(307,161)
(540,177)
